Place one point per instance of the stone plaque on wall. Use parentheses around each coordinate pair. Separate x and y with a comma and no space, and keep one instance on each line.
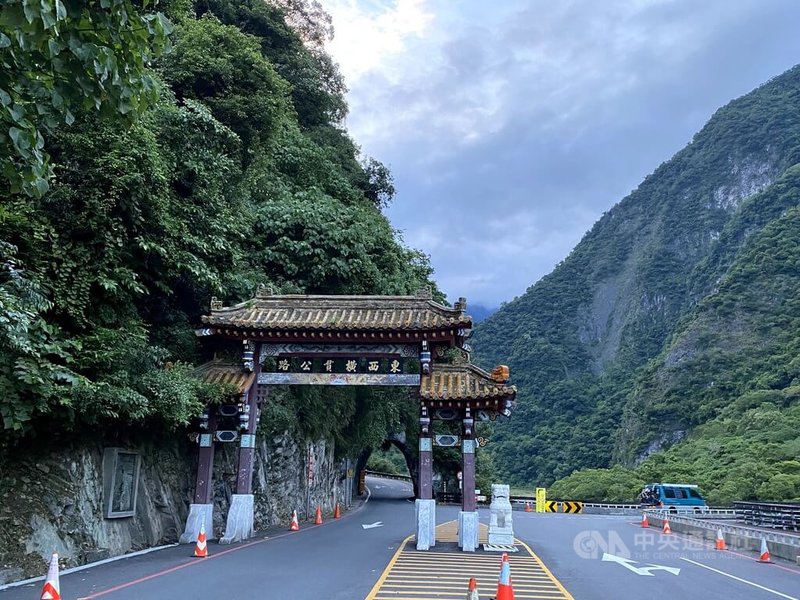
(120,482)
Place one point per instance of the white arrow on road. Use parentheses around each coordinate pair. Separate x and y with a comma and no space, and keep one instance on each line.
(372,525)
(628,564)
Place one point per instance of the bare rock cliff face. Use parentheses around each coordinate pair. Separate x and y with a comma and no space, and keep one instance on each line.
(52,499)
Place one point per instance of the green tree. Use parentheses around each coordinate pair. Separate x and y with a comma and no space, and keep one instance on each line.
(59,56)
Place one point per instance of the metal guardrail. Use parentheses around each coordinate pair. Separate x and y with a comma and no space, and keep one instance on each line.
(788,539)
(522,500)
(697,512)
(775,515)
(387,475)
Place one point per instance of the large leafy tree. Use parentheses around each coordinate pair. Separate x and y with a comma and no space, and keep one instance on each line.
(238,173)
(59,56)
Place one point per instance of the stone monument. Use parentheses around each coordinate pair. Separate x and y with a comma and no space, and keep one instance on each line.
(501,522)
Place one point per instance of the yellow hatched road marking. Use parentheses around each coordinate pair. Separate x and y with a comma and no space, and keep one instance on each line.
(415,575)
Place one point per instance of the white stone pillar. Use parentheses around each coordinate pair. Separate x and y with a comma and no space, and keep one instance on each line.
(199,514)
(240,519)
(426,523)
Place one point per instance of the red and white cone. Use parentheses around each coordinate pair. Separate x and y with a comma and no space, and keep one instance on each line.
(201,547)
(666,529)
(318,517)
(51,589)
(720,543)
(294,525)
(337,514)
(472,590)
(505,590)
(528,507)
(764,557)
(644,521)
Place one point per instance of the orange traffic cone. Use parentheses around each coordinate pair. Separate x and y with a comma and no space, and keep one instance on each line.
(504,589)
(201,548)
(720,544)
(336,513)
(764,558)
(528,507)
(472,590)
(666,530)
(294,526)
(318,517)
(51,589)
(644,521)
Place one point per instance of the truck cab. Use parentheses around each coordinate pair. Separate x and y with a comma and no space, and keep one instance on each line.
(674,496)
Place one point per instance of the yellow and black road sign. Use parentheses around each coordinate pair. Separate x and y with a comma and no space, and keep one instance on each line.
(551,506)
(571,507)
(541,498)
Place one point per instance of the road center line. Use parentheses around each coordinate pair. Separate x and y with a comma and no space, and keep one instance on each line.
(761,587)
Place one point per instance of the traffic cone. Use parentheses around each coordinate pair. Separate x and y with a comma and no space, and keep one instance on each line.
(336,513)
(472,590)
(720,544)
(764,558)
(645,524)
(201,548)
(294,526)
(666,530)
(504,589)
(318,517)
(51,589)
(528,507)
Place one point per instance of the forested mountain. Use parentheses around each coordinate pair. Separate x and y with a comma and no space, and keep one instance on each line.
(201,153)
(672,324)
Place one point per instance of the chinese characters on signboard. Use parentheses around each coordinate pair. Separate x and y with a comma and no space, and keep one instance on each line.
(344,365)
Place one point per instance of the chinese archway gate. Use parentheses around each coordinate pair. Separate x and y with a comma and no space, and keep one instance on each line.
(343,340)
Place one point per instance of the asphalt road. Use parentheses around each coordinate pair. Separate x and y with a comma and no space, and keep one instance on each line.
(340,560)
(573,546)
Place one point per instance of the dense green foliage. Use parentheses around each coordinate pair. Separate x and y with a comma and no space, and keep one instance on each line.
(616,484)
(230,169)
(58,57)
(675,318)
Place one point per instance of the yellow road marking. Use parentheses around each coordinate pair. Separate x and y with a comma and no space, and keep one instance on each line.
(443,573)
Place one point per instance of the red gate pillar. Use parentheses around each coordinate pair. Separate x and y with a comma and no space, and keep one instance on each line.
(425,455)
(205,469)
(468,518)
(240,515)
(468,501)
(201,511)
(425,505)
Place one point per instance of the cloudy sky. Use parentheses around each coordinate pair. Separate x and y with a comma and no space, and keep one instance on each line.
(511,126)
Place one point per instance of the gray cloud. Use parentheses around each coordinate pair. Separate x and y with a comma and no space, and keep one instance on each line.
(510,131)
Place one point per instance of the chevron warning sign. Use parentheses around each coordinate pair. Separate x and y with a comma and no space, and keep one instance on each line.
(551,506)
(571,507)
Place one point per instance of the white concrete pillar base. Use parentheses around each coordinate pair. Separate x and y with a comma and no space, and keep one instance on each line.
(240,519)
(198,514)
(426,524)
(468,530)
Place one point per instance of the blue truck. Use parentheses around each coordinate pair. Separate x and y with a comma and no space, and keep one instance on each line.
(674,496)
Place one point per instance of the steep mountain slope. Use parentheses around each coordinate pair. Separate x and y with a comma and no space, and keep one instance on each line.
(578,342)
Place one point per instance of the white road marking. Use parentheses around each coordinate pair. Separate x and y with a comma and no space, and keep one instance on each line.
(372,525)
(761,587)
(646,571)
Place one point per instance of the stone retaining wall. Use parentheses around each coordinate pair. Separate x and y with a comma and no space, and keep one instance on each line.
(51,498)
